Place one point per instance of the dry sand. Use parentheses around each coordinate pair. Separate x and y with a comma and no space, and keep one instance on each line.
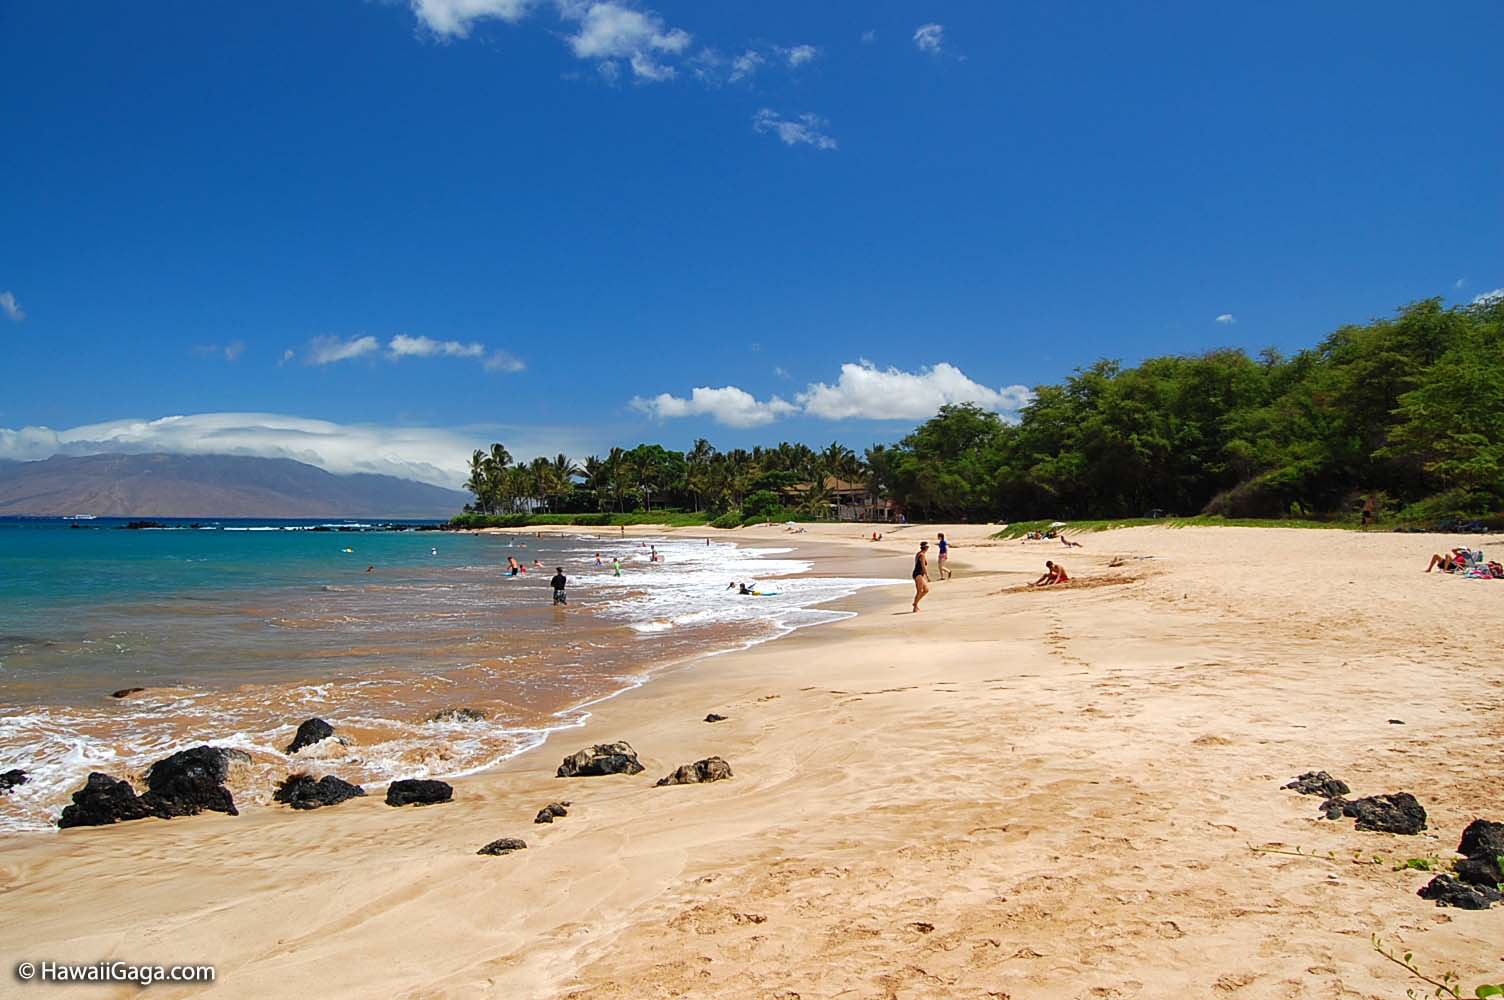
(1012,794)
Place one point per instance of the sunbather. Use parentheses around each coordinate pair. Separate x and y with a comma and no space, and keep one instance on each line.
(1451,562)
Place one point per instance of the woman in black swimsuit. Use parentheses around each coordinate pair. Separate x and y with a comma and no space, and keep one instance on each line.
(921,574)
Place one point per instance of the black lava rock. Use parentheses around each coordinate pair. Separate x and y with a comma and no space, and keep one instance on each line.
(1319,783)
(713,717)
(309,733)
(1447,891)
(603,758)
(458,715)
(301,792)
(506,845)
(709,769)
(1482,838)
(104,800)
(1481,870)
(191,781)
(548,813)
(1397,813)
(418,792)
(10,779)
(126,692)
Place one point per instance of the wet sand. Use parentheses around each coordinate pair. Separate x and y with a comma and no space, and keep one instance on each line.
(1012,794)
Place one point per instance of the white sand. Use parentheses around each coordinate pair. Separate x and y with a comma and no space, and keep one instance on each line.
(1012,794)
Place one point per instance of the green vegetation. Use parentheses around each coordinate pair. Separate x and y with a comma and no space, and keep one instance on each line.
(1407,412)
(672,518)
(1443,985)
(1023,528)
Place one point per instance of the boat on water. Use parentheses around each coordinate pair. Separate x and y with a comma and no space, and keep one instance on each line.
(78,517)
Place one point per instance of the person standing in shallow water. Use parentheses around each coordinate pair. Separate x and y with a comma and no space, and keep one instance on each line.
(921,574)
(559,582)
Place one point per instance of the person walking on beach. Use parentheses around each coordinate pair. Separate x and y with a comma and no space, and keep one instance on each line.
(921,574)
(559,582)
(944,557)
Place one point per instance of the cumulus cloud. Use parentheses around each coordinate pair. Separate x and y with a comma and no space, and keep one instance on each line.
(930,38)
(867,392)
(453,18)
(1489,298)
(329,349)
(611,31)
(863,392)
(429,454)
(798,55)
(1227,318)
(11,307)
(808,129)
(726,405)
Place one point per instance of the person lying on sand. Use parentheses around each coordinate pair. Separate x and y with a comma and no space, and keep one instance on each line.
(1054,573)
(1069,544)
(1451,562)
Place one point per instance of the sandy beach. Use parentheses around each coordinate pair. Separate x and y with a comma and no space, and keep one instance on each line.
(1011,794)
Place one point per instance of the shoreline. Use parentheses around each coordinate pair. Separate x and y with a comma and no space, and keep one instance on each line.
(1031,794)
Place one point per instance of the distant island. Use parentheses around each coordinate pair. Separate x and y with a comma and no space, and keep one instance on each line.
(157,485)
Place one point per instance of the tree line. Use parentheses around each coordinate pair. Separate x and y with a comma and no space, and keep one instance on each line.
(1406,410)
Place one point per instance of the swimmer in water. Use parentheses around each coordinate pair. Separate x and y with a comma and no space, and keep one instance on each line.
(615,566)
(598,560)
(433,551)
(369,568)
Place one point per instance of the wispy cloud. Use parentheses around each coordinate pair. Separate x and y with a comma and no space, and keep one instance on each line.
(862,392)
(327,350)
(798,55)
(930,38)
(1459,283)
(287,357)
(11,307)
(1489,298)
(807,129)
(1227,319)
(230,352)
(429,454)
(745,65)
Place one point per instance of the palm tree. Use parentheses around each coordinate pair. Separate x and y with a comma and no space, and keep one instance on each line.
(616,470)
(697,460)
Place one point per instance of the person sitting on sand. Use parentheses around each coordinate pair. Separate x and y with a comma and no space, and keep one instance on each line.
(1451,562)
(921,574)
(1067,543)
(1054,573)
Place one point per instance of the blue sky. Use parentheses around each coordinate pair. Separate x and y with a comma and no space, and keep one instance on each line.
(550,221)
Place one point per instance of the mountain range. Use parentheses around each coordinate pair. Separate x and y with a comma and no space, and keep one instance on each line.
(156,485)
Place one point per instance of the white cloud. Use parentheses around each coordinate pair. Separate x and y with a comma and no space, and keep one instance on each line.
(404,346)
(429,454)
(869,36)
(452,18)
(610,31)
(1227,319)
(863,392)
(930,38)
(1459,283)
(744,65)
(727,405)
(798,55)
(808,128)
(1489,298)
(329,349)
(11,307)
(287,356)
(501,361)
(867,392)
